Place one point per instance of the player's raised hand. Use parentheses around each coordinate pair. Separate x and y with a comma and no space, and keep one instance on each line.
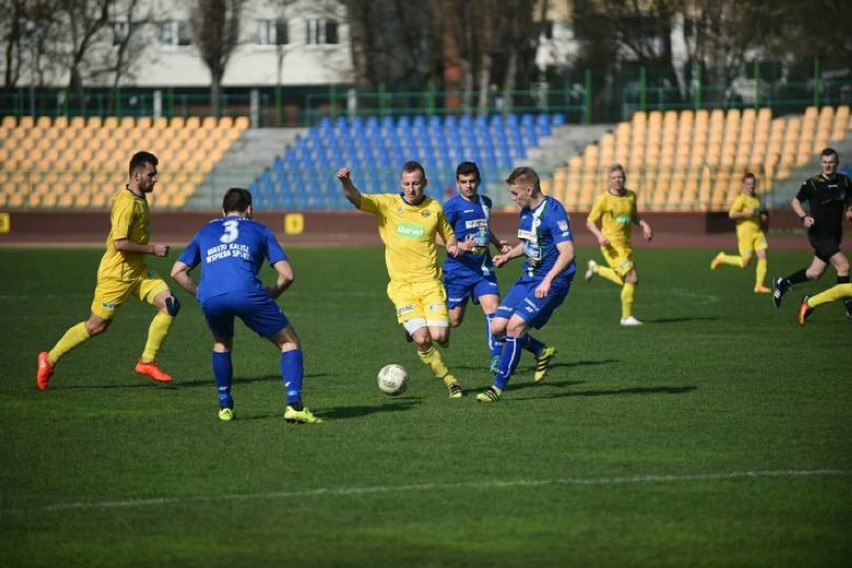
(344,174)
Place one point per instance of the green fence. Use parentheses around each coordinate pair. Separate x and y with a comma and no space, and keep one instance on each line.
(582,95)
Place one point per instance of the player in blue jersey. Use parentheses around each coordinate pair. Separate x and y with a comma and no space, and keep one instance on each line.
(231,251)
(471,276)
(548,244)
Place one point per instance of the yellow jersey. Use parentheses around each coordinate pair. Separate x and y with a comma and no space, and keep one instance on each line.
(615,214)
(744,202)
(408,232)
(129,219)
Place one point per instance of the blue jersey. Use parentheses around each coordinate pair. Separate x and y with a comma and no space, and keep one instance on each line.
(540,230)
(231,251)
(470,219)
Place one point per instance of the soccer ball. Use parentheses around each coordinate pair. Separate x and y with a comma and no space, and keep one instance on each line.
(393,379)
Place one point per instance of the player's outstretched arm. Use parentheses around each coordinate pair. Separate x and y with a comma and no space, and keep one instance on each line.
(286,277)
(514,252)
(593,228)
(180,274)
(126,245)
(349,189)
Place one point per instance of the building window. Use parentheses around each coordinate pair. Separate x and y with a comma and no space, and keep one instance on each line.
(176,33)
(272,32)
(126,32)
(322,32)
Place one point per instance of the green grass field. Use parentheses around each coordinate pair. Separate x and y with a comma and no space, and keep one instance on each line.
(718,434)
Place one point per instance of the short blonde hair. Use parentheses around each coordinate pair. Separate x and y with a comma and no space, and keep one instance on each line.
(524,175)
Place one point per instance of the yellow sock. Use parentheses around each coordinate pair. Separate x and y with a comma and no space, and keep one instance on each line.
(72,338)
(157,333)
(628,292)
(732,260)
(760,272)
(432,359)
(609,274)
(831,295)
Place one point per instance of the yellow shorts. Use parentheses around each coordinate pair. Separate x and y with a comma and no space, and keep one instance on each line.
(620,259)
(110,294)
(750,242)
(420,300)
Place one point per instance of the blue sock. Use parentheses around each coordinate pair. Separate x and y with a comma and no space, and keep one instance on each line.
(508,363)
(223,372)
(531,344)
(495,344)
(292,371)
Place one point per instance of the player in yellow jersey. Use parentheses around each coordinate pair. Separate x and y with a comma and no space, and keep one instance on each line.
(408,223)
(841,291)
(751,240)
(123,272)
(616,211)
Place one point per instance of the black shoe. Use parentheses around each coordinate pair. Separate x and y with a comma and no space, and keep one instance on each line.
(848,303)
(408,337)
(779,288)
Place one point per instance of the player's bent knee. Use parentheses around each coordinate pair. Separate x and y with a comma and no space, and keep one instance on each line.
(172,306)
(97,327)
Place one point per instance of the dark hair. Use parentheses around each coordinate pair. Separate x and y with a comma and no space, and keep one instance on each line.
(750,175)
(830,152)
(236,199)
(139,160)
(526,176)
(412,166)
(468,168)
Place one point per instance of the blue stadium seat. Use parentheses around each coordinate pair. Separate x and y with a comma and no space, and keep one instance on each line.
(377,146)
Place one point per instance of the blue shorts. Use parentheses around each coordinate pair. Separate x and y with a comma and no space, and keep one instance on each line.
(463,285)
(535,312)
(257,310)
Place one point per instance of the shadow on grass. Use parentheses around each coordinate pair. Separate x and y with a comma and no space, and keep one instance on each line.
(526,367)
(195,383)
(681,320)
(663,389)
(359,411)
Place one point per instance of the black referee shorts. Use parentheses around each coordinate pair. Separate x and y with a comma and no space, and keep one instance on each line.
(825,246)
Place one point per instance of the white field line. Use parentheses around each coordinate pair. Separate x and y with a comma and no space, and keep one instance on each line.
(431,487)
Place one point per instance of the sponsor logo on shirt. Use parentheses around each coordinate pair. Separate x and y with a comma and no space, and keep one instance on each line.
(410,231)
(623,219)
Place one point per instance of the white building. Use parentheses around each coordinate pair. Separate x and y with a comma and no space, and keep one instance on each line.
(296,42)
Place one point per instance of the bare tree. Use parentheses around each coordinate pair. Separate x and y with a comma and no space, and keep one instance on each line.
(23,34)
(216,34)
(128,43)
(76,27)
(11,30)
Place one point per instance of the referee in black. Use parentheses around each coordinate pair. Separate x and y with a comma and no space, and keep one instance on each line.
(829,198)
